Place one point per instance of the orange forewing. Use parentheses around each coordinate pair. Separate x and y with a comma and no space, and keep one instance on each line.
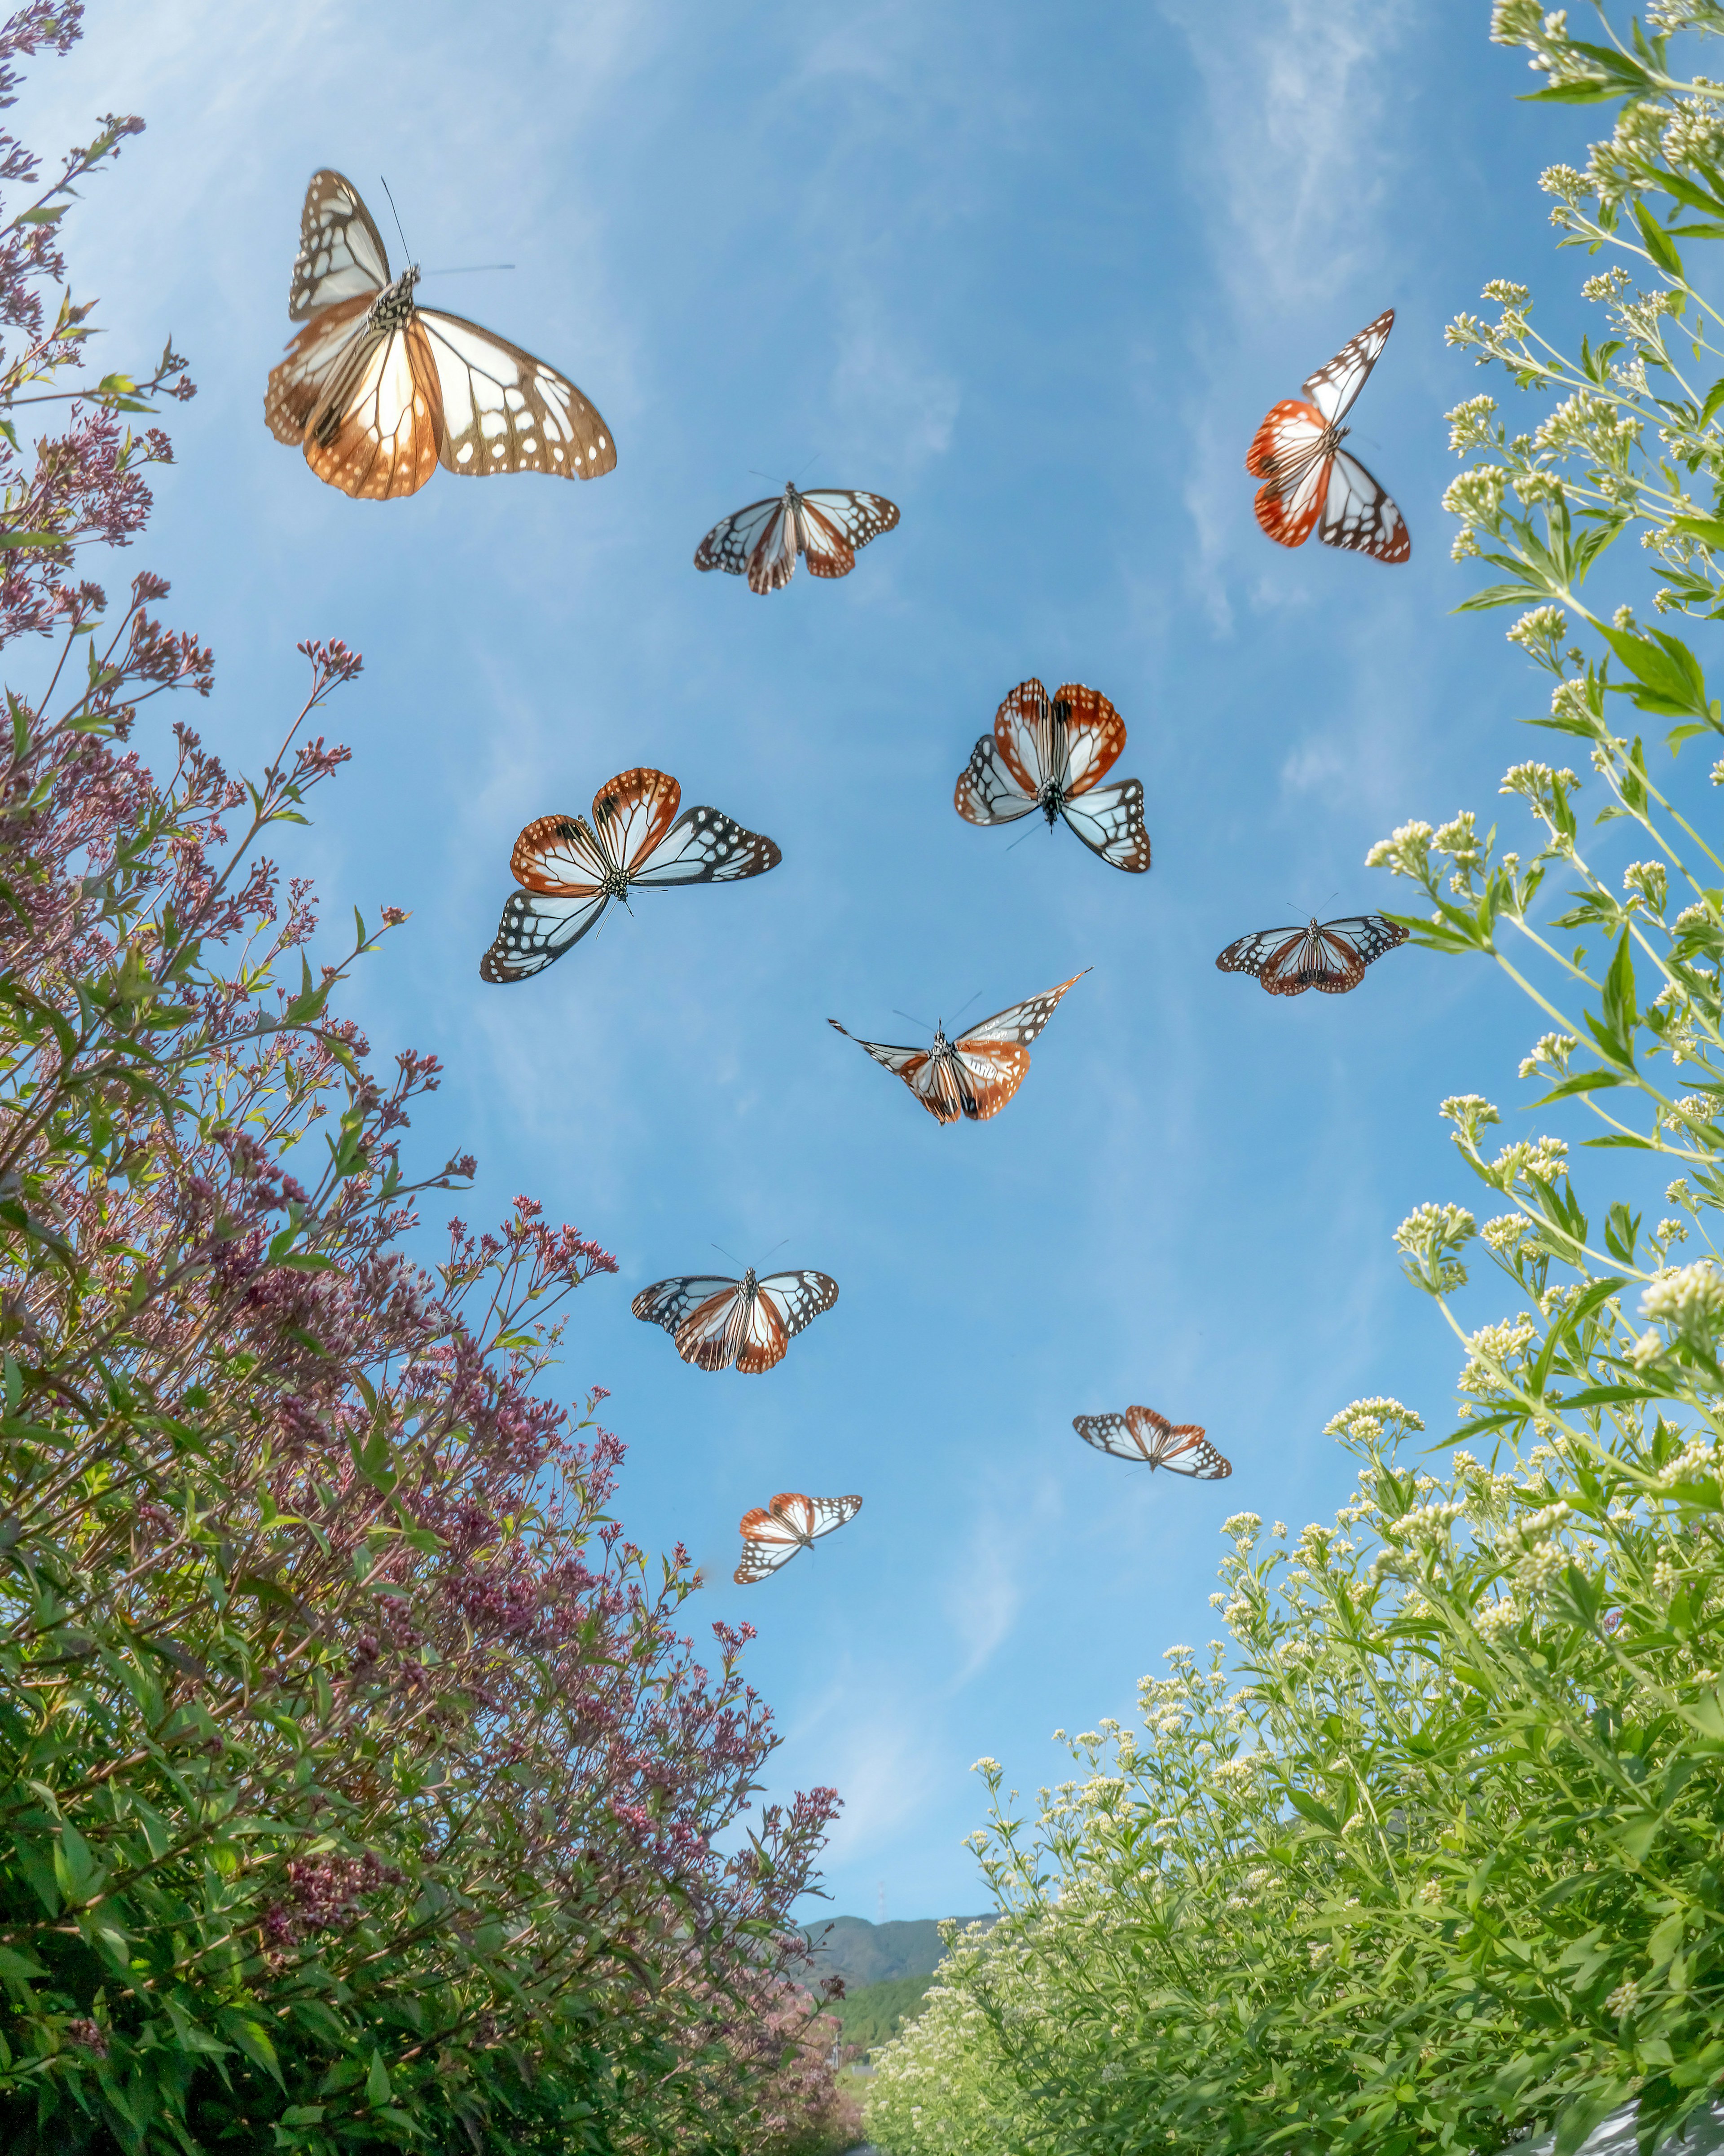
(1024,711)
(1099,727)
(1009,1065)
(1287,505)
(632,812)
(298,384)
(345,442)
(556,855)
(765,1342)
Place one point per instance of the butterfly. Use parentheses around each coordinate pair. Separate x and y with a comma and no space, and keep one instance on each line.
(378,390)
(1309,478)
(790,1523)
(749,1321)
(1047,753)
(829,526)
(1330,955)
(976,1073)
(573,870)
(1141,1434)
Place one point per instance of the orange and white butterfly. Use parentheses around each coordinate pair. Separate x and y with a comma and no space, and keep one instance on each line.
(1309,478)
(829,526)
(571,870)
(977,1072)
(378,391)
(1330,955)
(1051,753)
(715,1323)
(1140,1434)
(791,1523)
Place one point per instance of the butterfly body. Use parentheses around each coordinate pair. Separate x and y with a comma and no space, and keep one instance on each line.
(748,1322)
(773,1534)
(1310,482)
(570,870)
(1141,1435)
(1330,955)
(1051,753)
(378,391)
(828,526)
(976,1073)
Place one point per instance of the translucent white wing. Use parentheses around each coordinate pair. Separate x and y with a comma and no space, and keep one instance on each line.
(772,1535)
(1290,453)
(1359,514)
(505,411)
(732,1327)
(327,350)
(816,1516)
(1333,387)
(898,1060)
(1108,1433)
(1024,1021)
(1109,820)
(342,253)
(705,847)
(856,518)
(560,855)
(1251,953)
(1370,934)
(773,563)
(731,541)
(763,1555)
(631,814)
(798,1297)
(830,525)
(534,932)
(375,435)
(668,1302)
(987,793)
(1087,735)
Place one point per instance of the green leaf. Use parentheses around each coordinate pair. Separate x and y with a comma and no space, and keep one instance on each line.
(1658,241)
(1500,595)
(378,2090)
(1308,1807)
(1670,677)
(249,2036)
(1709,530)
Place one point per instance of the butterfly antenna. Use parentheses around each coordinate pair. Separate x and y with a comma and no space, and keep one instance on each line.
(1016,843)
(776,1248)
(913,1018)
(814,460)
(724,1253)
(406,250)
(468,269)
(964,1006)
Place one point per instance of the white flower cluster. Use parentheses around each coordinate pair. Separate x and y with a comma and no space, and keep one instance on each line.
(1490,1351)
(1611,284)
(1365,1420)
(1501,1615)
(1589,423)
(1426,1523)
(1535,628)
(1469,424)
(1688,1299)
(1551,1050)
(1542,1157)
(1475,497)
(1431,1231)
(1650,881)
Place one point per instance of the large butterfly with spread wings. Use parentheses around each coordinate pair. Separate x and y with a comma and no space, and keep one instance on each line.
(828,527)
(976,1073)
(379,391)
(748,1322)
(1051,753)
(571,870)
(1140,1434)
(1330,955)
(771,1536)
(1309,480)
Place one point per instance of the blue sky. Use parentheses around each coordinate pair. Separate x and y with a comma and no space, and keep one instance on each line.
(1036,274)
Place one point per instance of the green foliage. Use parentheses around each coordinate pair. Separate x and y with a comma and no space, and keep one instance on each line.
(879,2011)
(1432,1857)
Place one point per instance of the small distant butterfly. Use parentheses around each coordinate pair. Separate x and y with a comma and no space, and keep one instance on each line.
(1330,955)
(750,1322)
(829,526)
(1309,478)
(571,870)
(790,1523)
(1141,1434)
(378,391)
(1050,753)
(978,1071)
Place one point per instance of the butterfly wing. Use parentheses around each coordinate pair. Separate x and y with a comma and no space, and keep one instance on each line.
(1182,1446)
(767,1543)
(374,434)
(505,411)
(1109,820)
(341,253)
(1094,734)
(730,544)
(727,1328)
(1290,453)
(327,350)
(835,523)
(1108,1433)
(798,1298)
(900,1061)
(703,846)
(534,932)
(987,792)
(1023,738)
(669,1303)
(1022,1023)
(631,814)
(1369,934)
(986,1074)
(559,854)
(1333,387)
(1359,514)
(772,563)
(815,1516)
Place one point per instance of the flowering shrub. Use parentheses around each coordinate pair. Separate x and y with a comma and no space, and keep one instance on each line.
(1437,1859)
(356,1787)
